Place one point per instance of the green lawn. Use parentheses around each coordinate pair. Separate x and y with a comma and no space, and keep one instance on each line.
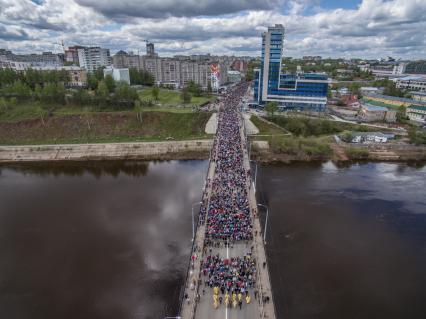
(266,128)
(105,127)
(171,98)
(31,110)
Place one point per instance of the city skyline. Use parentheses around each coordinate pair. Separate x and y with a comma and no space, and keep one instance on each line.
(364,29)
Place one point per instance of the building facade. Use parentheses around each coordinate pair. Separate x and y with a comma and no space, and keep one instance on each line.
(416,67)
(300,90)
(71,54)
(119,75)
(416,113)
(373,113)
(418,96)
(412,82)
(92,58)
(127,60)
(24,61)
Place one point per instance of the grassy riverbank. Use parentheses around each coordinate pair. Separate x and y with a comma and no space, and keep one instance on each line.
(103,127)
(312,139)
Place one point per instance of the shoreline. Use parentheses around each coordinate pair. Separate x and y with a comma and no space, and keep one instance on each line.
(194,150)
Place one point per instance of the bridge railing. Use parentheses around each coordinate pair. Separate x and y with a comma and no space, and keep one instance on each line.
(205,201)
(260,288)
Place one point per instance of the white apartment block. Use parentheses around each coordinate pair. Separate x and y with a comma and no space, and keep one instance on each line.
(415,83)
(177,73)
(92,58)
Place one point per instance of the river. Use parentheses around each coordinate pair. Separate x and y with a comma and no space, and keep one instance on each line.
(112,240)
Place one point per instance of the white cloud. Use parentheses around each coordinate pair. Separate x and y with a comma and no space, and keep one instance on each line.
(376,28)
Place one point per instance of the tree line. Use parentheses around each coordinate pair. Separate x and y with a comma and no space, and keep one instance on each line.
(48,87)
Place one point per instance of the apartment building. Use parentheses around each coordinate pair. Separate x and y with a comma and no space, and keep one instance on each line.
(92,58)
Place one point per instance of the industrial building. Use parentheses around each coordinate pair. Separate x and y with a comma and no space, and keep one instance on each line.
(300,90)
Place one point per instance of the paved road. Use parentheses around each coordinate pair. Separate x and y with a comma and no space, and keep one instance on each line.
(205,309)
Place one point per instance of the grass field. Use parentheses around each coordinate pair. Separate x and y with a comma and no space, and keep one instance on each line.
(105,127)
(31,110)
(171,98)
(265,128)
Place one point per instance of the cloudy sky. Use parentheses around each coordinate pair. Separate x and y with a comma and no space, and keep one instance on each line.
(345,28)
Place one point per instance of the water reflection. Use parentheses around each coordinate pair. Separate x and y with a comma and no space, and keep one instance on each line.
(346,241)
(93,241)
(97,169)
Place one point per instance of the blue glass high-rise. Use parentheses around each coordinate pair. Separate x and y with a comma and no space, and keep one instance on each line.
(300,90)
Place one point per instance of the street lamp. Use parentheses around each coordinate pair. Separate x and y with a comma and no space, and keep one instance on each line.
(266,221)
(193,225)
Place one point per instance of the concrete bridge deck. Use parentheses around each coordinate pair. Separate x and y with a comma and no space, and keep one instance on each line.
(199,303)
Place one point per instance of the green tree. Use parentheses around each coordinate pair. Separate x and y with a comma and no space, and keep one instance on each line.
(102,91)
(33,77)
(147,78)
(124,92)
(8,77)
(347,136)
(81,97)
(135,76)
(110,83)
(185,96)
(250,69)
(99,73)
(354,88)
(53,93)
(19,90)
(329,94)
(194,88)
(416,136)
(271,107)
(155,91)
(401,115)
(43,112)
(92,81)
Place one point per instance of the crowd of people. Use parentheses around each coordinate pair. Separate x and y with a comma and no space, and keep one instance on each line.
(228,211)
(231,279)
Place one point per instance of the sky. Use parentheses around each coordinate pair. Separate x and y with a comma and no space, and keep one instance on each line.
(330,28)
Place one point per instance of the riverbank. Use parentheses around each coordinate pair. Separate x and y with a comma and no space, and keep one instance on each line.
(200,149)
(194,149)
(343,152)
(105,127)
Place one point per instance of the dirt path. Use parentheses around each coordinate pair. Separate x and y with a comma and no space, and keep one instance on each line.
(338,152)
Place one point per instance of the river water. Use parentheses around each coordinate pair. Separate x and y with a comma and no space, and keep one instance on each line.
(112,240)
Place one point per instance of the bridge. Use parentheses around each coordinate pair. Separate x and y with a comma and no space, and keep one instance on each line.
(228,275)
